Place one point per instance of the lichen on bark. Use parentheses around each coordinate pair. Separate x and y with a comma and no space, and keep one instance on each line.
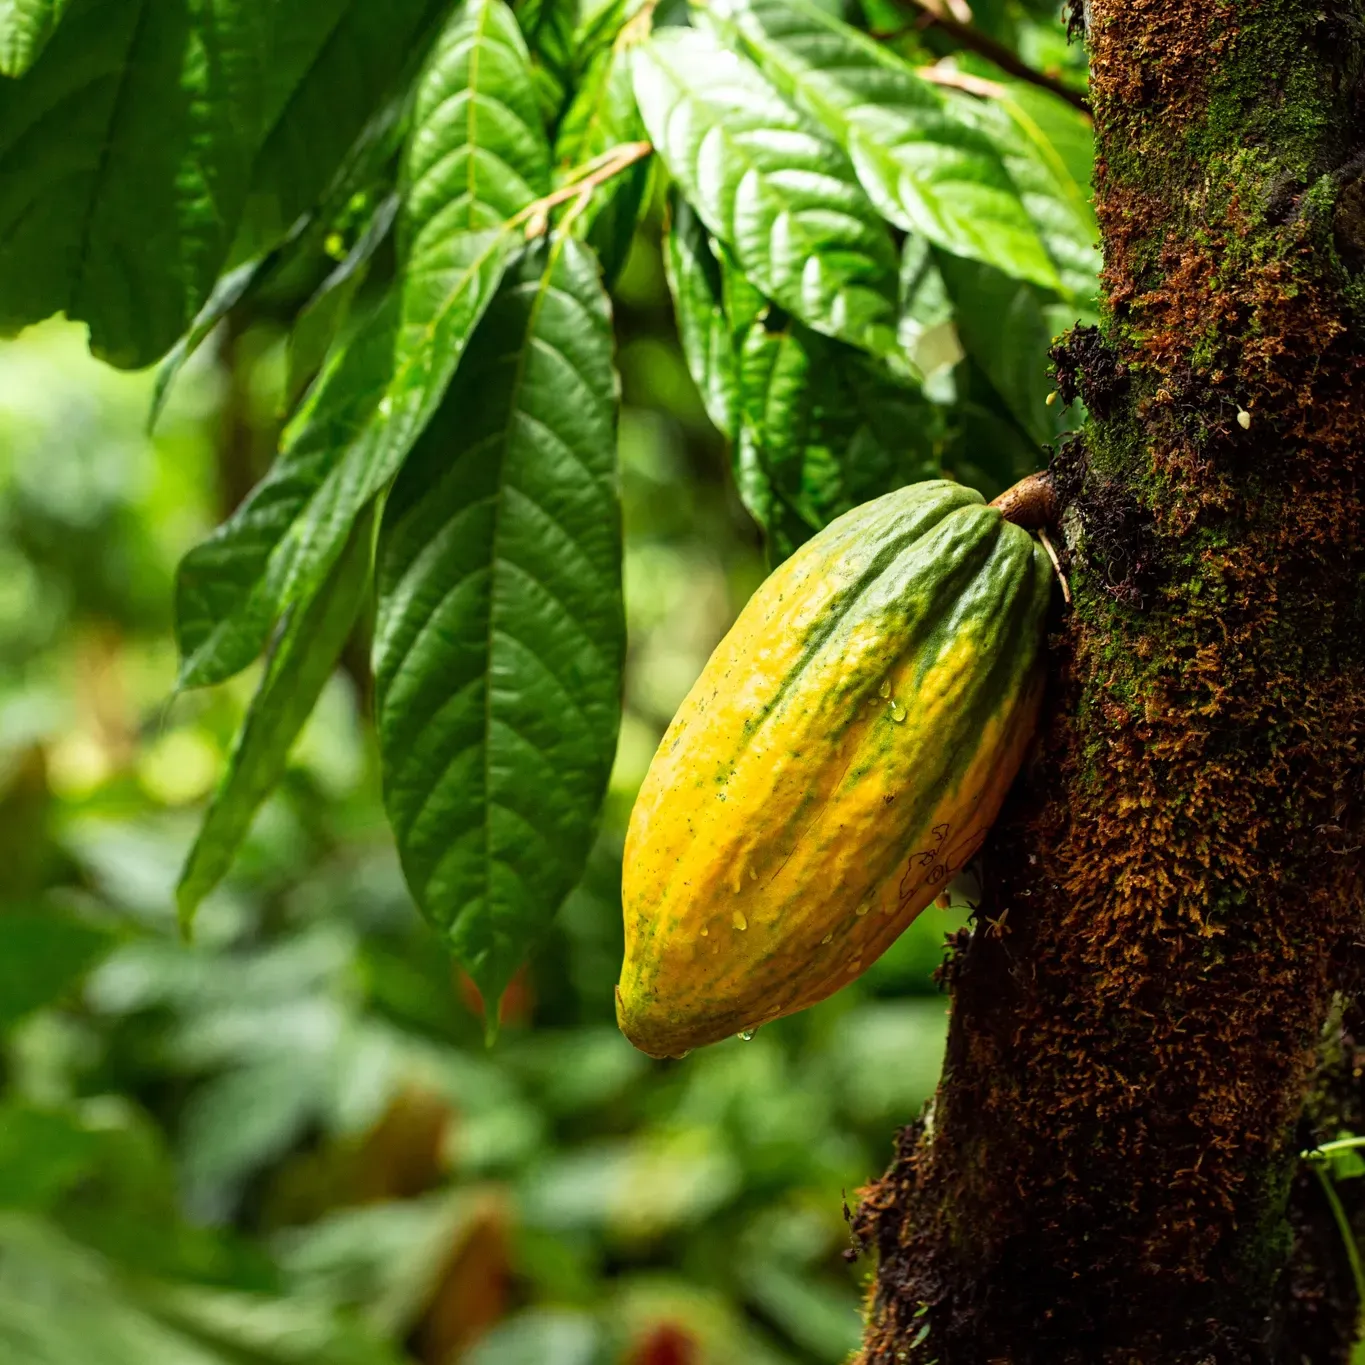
(1109,1171)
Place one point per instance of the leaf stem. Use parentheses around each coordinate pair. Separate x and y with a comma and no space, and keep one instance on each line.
(1339,1145)
(974,40)
(581,183)
(1343,1227)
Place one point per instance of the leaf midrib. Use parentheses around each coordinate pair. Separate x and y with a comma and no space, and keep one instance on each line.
(518,378)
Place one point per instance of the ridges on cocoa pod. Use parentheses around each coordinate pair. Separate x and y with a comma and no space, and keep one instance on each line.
(839,759)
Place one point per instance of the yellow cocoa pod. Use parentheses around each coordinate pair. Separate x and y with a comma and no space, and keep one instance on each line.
(839,759)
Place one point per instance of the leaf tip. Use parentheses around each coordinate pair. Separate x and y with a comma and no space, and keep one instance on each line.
(186,904)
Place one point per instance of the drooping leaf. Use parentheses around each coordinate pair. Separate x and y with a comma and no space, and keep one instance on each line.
(297,255)
(1048,148)
(472,162)
(927,330)
(814,428)
(227,293)
(549,27)
(926,170)
(25,27)
(778,192)
(41,955)
(499,643)
(346,444)
(300,664)
(991,450)
(820,431)
(603,115)
(335,64)
(125,155)
(320,319)
(1054,176)
(1004,327)
(478,153)
(708,344)
(230,587)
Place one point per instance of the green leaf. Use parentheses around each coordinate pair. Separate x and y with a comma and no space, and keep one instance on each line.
(299,667)
(1346,1163)
(550,27)
(600,24)
(42,954)
(227,293)
(114,1318)
(1048,148)
(125,155)
(360,180)
(335,62)
(603,115)
(927,330)
(694,280)
(991,450)
(320,319)
(25,27)
(821,431)
(499,643)
(478,153)
(926,170)
(347,443)
(43,1153)
(1054,179)
(1004,327)
(472,161)
(780,194)
(231,588)
(815,429)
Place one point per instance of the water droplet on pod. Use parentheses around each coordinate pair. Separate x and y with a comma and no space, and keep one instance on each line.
(828,938)
(862,910)
(705,933)
(747,1034)
(739,921)
(885,689)
(753,876)
(897,712)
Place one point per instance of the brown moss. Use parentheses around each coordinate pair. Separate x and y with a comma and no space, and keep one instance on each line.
(1085,367)
(1107,1168)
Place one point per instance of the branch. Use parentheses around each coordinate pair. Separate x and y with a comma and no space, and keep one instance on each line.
(580,184)
(972,38)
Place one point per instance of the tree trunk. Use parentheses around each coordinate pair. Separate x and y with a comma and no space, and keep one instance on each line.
(1153,1014)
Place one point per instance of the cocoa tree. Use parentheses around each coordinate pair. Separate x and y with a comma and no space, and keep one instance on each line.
(1168,1016)
(877,220)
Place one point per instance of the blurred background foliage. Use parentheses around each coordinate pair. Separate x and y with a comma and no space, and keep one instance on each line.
(286,1140)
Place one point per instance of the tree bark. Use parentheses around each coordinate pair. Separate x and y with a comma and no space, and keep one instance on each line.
(1153,1014)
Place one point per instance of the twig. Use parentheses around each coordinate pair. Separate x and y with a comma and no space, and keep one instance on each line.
(581,184)
(961,80)
(972,38)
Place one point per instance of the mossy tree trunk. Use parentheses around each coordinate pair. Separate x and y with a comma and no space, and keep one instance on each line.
(1154,1014)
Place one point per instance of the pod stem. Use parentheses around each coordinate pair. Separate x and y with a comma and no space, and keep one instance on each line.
(1030,504)
(1056,565)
